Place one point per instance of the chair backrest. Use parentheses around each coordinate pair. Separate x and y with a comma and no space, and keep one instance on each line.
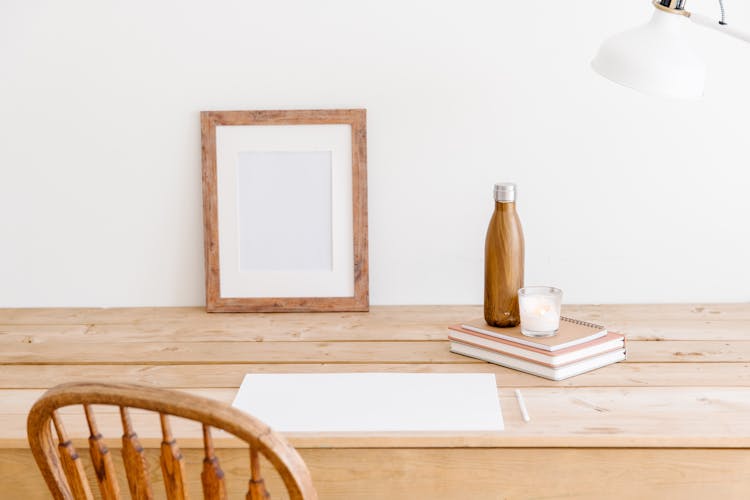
(63,470)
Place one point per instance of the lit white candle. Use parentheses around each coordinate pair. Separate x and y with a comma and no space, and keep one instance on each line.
(540,310)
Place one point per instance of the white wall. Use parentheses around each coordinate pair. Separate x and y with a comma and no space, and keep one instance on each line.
(623,198)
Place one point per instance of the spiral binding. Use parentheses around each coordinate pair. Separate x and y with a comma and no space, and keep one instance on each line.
(582,323)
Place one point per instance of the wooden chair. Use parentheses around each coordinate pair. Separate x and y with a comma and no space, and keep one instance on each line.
(63,470)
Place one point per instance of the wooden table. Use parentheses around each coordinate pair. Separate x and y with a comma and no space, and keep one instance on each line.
(671,422)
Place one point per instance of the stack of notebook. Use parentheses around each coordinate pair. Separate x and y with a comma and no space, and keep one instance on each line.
(578,347)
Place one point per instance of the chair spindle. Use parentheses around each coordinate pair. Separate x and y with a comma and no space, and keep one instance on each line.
(134,460)
(71,462)
(101,460)
(256,485)
(212,476)
(172,463)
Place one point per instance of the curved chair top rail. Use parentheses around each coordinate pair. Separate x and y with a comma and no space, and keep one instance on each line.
(215,414)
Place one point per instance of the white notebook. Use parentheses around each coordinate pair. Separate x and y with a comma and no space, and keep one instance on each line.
(372,402)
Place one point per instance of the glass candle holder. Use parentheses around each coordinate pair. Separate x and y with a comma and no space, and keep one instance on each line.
(540,310)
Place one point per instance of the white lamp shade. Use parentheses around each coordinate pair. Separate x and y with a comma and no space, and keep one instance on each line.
(654,59)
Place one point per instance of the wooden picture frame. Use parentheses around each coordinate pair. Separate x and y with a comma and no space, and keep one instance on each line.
(293,166)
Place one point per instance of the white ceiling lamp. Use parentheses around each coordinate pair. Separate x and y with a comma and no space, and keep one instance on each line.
(656,58)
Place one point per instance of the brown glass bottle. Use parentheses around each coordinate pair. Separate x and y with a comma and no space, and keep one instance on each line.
(503,260)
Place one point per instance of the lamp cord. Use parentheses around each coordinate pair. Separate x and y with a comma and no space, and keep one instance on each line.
(723,20)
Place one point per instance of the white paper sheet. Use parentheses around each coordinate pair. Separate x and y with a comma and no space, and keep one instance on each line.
(240,279)
(372,402)
(284,211)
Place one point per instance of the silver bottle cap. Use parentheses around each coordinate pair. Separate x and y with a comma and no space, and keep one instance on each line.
(505,192)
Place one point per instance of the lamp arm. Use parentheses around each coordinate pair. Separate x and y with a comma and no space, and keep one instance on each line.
(708,22)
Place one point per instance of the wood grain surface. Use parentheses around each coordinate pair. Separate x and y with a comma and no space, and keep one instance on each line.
(675,415)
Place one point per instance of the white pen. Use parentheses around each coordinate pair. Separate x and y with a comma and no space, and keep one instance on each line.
(522,405)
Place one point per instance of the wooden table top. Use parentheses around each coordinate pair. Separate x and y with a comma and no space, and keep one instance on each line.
(686,381)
